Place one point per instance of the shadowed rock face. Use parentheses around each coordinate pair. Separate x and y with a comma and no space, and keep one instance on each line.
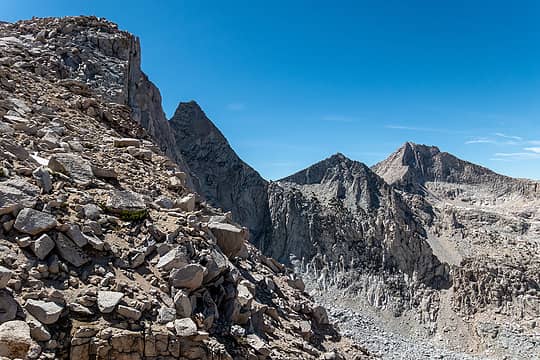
(219,175)
(339,211)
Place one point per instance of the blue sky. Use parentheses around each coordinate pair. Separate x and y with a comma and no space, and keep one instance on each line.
(292,82)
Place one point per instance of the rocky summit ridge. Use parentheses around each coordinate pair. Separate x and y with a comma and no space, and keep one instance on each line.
(106,252)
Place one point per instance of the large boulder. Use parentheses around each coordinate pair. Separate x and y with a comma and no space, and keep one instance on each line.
(47,312)
(15,339)
(69,251)
(188,277)
(17,193)
(229,238)
(33,222)
(74,166)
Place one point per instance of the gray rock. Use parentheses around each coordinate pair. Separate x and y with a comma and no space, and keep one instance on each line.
(15,339)
(8,306)
(38,331)
(107,300)
(74,166)
(188,277)
(43,246)
(187,203)
(320,315)
(33,222)
(5,276)
(216,264)
(70,252)
(15,194)
(42,175)
(230,238)
(127,204)
(129,312)
(91,211)
(46,312)
(182,303)
(166,315)
(75,234)
(175,258)
(185,327)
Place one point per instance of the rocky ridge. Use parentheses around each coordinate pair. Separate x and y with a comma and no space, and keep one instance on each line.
(106,252)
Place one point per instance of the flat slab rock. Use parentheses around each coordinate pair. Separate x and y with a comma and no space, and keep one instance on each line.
(33,222)
(47,312)
(74,166)
(125,202)
(17,193)
(69,251)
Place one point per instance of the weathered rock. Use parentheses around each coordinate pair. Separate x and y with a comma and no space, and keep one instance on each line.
(74,166)
(43,246)
(229,238)
(5,276)
(44,178)
(187,203)
(15,194)
(107,300)
(75,234)
(127,204)
(185,327)
(33,222)
(182,304)
(125,142)
(8,306)
(15,339)
(175,258)
(129,312)
(46,312)
(188,277)
(69,251)
(320,315)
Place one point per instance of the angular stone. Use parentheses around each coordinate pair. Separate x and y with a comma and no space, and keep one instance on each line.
(166,315)
(216,264)
(46,312)
(320,315)
(125,142)
(8,306)
(182,303)
(104,173)
(187,277)
(15,194)
(185,327)
(230,238)
(107,300)
(74,166)
(42,175)
(5,276)
(129,312)
(38,331)
(128,204)
(75,234)
(33,222)
(70,252)
(15,339)
(43,246)
(172,259)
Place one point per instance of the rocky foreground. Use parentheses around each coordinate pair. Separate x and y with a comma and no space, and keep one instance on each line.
(105,252)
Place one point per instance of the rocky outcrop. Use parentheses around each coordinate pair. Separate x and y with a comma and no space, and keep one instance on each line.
(219,175)
(114,257)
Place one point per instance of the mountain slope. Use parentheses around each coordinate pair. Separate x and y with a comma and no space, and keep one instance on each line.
(220,176)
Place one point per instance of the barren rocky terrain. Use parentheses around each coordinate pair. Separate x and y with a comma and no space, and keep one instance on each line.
(127,236)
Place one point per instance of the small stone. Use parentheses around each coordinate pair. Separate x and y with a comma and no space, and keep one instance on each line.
(46,312)
(185,327)
(43,246)
(33,222)
(107,300)
(75,234)
(320,315)
(44,178)
(91,211)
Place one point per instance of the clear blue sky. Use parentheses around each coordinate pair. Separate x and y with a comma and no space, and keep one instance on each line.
(292,82)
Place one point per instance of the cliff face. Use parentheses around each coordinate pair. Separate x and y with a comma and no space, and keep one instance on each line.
(105,252)
(219,175)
